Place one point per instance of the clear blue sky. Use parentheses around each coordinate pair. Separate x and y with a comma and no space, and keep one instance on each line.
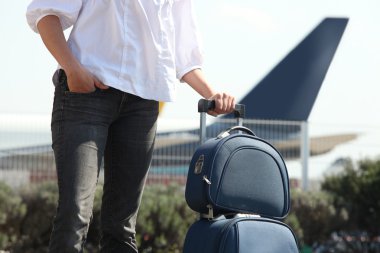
(243,40)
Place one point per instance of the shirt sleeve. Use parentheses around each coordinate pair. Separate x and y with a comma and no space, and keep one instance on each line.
(188,48)
(66,10)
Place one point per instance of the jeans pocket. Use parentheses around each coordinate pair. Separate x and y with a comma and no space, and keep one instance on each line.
(60,81)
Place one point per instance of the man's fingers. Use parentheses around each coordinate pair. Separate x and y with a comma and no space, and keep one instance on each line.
(231,104)
(99,84)
(218,104)
(212,113)
(78,87)
(224,103)
(218,98)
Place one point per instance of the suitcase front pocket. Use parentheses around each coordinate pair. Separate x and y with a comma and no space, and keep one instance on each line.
(252,182)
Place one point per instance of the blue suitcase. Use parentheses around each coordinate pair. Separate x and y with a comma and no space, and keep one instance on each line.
(240,235)
(233,174)
(237,173)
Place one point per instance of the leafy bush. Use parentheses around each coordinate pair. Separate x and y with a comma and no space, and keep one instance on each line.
(164,219)
(162,222)
(35,228)
(313,216)
(350,201)
(26,219)
(349,242)
(11,212)
(295,225)
(358,191)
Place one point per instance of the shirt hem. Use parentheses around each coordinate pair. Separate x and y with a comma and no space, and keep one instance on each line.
(156,94)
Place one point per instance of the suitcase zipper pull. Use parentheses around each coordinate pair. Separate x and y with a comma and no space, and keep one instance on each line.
(210,212)
(210,215)
(206,180)
(223,135)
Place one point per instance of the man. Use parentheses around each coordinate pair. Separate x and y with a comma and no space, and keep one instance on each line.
(121,58)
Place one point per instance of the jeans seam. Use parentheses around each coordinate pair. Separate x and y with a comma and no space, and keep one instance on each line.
(60,138)
(124,99)
(59,145)
(110,161)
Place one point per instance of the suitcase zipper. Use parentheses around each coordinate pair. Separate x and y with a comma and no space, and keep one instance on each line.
(223,233)
(210,215)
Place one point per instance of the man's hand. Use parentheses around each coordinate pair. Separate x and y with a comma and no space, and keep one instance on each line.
(224,103)
(80,80)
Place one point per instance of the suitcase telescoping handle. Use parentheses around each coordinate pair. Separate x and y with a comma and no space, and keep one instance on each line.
(205,105)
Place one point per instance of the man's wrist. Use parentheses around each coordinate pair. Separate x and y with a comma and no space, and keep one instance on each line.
(71,67)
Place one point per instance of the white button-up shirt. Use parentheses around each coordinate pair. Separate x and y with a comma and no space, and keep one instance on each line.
(141,47)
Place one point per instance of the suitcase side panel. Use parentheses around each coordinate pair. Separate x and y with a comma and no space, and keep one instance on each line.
(196,186)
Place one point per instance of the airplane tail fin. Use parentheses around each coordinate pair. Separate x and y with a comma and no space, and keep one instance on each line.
(289,91)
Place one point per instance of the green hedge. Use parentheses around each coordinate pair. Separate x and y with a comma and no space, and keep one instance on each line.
(313,216)
(349,202)
(357,189)
(12,210)
(163,220)
(26,219)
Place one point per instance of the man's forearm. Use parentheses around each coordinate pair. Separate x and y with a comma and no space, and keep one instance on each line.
(197,81)
(79,79)
(224,103)
(52,35)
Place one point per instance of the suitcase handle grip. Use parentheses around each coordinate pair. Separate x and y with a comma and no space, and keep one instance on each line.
(236,128)
(205,105)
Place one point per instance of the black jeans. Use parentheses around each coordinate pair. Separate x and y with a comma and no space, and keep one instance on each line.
(85,127)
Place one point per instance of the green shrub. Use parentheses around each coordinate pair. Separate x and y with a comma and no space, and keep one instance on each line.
(295,225)
(162,223)
(11,212)
(36,225)
(350,201)
(164,219)
(358,191)
(26,219)
(314,216)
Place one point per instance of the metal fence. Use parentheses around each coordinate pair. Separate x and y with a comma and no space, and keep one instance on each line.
(174,150)
(305,156)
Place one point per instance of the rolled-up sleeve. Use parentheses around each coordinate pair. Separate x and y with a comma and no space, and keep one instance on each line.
(66,10)
(188,47)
